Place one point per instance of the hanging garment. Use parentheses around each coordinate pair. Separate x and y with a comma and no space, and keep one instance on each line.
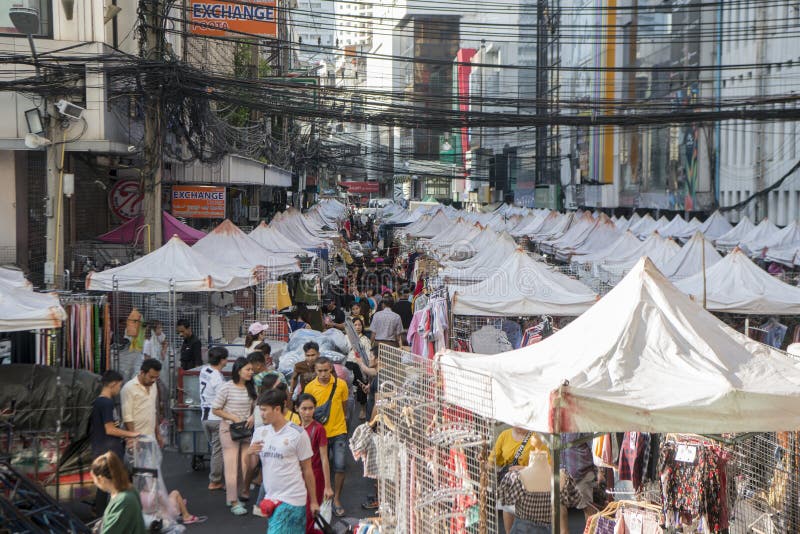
(489,340)
(513,332)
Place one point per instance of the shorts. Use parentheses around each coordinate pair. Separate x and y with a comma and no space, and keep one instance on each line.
(578,494)
(337,453)
(523,526)
(287,519)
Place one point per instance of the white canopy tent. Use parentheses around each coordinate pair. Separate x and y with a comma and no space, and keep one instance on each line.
(274,241)
(576,233)
(644,358)
(483,264)
(521,286)
(644,226)
(659,250)
(734,236)
(229,246)
(173,267)
(737,285)
(785,237)
(678,227)
(604,234)
(23,309)
(621,247)
(552,229)
(691,258)
(789,256)
(429,227)
(14,277)
(713,228)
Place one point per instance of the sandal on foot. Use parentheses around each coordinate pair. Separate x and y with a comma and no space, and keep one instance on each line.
(195,519)
(238,509)
(338,511)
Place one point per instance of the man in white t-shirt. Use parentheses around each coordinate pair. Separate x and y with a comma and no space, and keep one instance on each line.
(285,452)
(210,379)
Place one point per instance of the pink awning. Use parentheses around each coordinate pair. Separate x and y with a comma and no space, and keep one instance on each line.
(131,232)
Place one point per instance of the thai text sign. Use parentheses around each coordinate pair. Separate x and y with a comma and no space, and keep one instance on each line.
(198,202)
(220,18)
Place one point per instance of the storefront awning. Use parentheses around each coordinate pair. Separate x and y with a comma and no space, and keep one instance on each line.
(231,170)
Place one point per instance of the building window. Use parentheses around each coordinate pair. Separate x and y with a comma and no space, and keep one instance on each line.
(437,188)
(45,20)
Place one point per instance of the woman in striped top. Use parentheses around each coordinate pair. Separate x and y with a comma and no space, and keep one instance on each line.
(234,403)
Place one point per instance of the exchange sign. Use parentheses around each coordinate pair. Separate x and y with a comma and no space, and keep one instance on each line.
(198,202)
(219,18)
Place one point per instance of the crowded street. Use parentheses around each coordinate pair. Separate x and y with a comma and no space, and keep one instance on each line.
(380,267)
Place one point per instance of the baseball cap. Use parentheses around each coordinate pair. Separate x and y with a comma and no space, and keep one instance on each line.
(256,328)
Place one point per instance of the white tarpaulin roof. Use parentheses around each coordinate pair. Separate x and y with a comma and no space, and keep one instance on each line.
(521,286)
(621,247)
(228,245)
(737,285)
(644,358)
(735,235)
(644,226)
(690,258)
(174,266)
(23,309)
(786,237)
(14,277)
(553,229)
(602,235)
(580,228)
(786,255)
(274,241)
(430,226)
(714,227)
(678,227)
(659,250)
(484,263)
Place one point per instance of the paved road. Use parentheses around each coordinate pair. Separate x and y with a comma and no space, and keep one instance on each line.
(178,474)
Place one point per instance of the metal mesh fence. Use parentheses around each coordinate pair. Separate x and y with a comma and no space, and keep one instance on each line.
(434,475)
(766,488)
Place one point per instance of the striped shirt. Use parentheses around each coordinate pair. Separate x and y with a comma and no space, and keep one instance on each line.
(233,400)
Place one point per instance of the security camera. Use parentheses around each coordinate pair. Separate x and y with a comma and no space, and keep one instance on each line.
(69,110)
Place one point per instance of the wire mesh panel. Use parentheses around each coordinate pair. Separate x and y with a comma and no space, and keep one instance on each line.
(434,475)
(766,496)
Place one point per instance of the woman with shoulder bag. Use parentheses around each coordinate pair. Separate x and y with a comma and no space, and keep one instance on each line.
(234,405)
(511,452)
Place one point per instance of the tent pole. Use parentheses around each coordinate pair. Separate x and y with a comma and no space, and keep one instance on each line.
(555,484)
(704,272)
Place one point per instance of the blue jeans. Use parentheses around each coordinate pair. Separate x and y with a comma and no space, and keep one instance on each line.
(287,519)
(523,526)
(337,453)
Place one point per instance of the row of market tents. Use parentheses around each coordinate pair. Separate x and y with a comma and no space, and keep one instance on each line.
(580,235)
(225,259)
(488,272)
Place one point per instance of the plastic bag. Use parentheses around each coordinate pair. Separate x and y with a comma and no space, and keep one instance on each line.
(326,510)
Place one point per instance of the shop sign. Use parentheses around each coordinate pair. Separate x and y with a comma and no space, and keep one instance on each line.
(219,18)
(125,199)
(198,202)
(360,187)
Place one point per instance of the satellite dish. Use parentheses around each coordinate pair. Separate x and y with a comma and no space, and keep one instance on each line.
(24,16)
(36,141)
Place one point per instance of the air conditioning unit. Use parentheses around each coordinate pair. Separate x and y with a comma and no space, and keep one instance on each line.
(69,110)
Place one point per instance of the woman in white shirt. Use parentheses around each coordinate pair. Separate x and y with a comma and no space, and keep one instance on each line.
(155,343)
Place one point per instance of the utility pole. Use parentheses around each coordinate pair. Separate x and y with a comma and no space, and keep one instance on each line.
(152,48)
(762,204)
(541,91)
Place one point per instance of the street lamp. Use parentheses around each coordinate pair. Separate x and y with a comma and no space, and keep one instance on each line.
(24,14)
